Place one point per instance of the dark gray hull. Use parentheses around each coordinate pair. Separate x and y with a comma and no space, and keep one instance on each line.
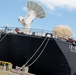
(57,59)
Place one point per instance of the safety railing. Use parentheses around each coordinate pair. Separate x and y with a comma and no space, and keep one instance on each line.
(5,65)
(32,31)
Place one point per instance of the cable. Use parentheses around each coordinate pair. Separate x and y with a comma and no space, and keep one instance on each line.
(34,53)
(3,37)
(40,53)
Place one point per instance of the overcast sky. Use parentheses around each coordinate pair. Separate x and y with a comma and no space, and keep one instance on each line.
(58,12)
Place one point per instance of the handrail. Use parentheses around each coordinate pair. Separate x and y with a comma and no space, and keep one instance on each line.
(32,31)
(6,65)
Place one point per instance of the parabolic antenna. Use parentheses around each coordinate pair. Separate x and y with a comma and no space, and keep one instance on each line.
(35,10)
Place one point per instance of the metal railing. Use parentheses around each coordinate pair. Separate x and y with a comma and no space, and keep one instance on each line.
(32,31)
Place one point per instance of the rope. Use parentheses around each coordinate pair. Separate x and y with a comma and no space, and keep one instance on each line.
(3,37)
(34,53)
(39,54)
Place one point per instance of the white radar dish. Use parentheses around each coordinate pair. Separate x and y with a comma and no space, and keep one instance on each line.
(40,13)
(34,10)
